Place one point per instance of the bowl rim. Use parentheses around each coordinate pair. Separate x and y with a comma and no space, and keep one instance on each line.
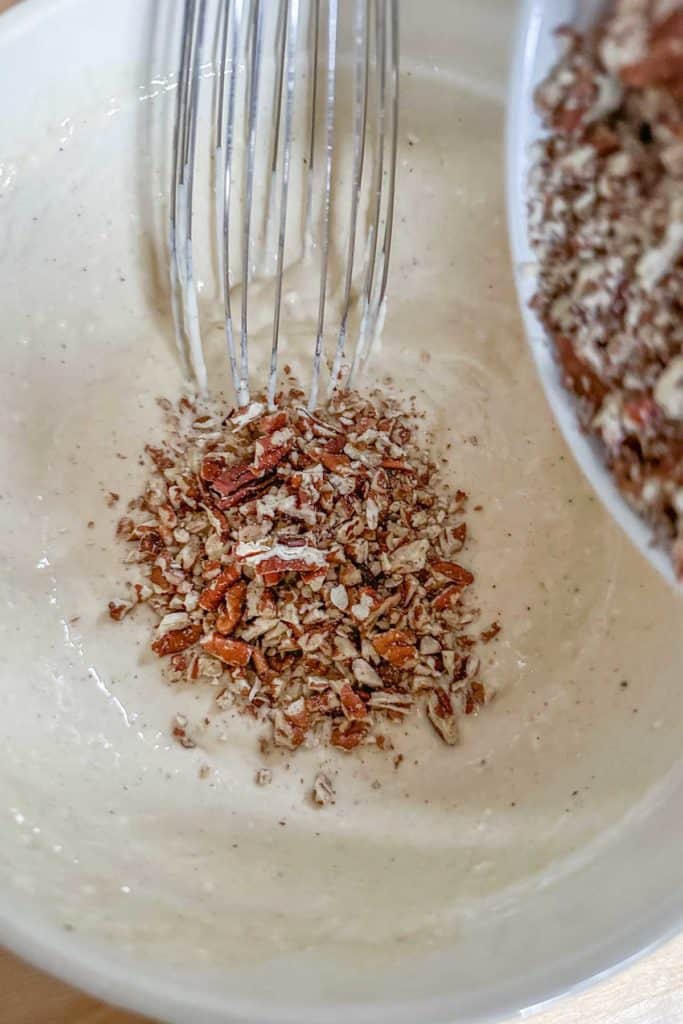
(93,968)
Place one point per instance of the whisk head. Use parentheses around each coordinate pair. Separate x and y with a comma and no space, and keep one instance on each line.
(304,144)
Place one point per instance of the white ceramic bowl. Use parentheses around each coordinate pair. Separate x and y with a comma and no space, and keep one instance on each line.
(474,882)
(536,50)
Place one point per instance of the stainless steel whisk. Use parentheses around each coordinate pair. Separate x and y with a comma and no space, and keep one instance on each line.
(304,37)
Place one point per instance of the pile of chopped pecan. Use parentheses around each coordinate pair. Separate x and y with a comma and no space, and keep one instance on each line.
(606,224)
(308,567)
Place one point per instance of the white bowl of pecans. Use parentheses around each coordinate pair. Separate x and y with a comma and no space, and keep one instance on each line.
(593,173)
(368,712)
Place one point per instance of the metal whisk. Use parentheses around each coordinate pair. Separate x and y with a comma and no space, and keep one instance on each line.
(263,133)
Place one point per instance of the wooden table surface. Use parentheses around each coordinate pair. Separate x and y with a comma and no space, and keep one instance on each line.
(651,992)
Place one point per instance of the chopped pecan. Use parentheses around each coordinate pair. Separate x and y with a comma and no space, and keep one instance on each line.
(176,640)
(234,485)
(392,704)
(441,715)
(459,534)
(159,457)
(352,705)
(663,63)
(365,674)
(488,634)
(272,422)
(261,666)
(151,545)
(349,736)
(409,557)
(476,696)
(642,412)
(297,713)
(454,572)
(270,451)
(235,597)
(286,733)
(579,376)
(211,597)
(231,652)
(323,790)
(125,528)
(309,555)
(335,463)
(179,731)
(447,598)
(396,646)
(119,609)
(159,580)
(397,466)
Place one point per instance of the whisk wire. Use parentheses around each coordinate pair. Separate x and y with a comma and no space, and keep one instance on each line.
(315,48)
(222,27)
(226,136)
(176,228)
(393,135)
(360,113)
(327,196)
(186,310)
(292,29)
(371,296)
(252,100)
(240,35)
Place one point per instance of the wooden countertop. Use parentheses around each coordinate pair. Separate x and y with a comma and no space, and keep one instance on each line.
(651,992)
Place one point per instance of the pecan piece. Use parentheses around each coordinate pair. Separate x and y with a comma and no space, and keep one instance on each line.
(279,565)
(211,596)
(119,609)
(159,580)
(475,697)
(323,791)
(246,494)
(125,528)
(151,545)
(352,706)
(453,571)
(397,465)
(272,422)
(235,597)
(579,376)
(159,457)
(297,713)
(663,63)
(270,451)
(231,652)
(441,715)
(641,412)
(286,733)
(488,634)
(447,597)
(348,736)
(459,533)
(334,463)
(179,731)
(234,485)
(176,640)
(263,669)
(396,646)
